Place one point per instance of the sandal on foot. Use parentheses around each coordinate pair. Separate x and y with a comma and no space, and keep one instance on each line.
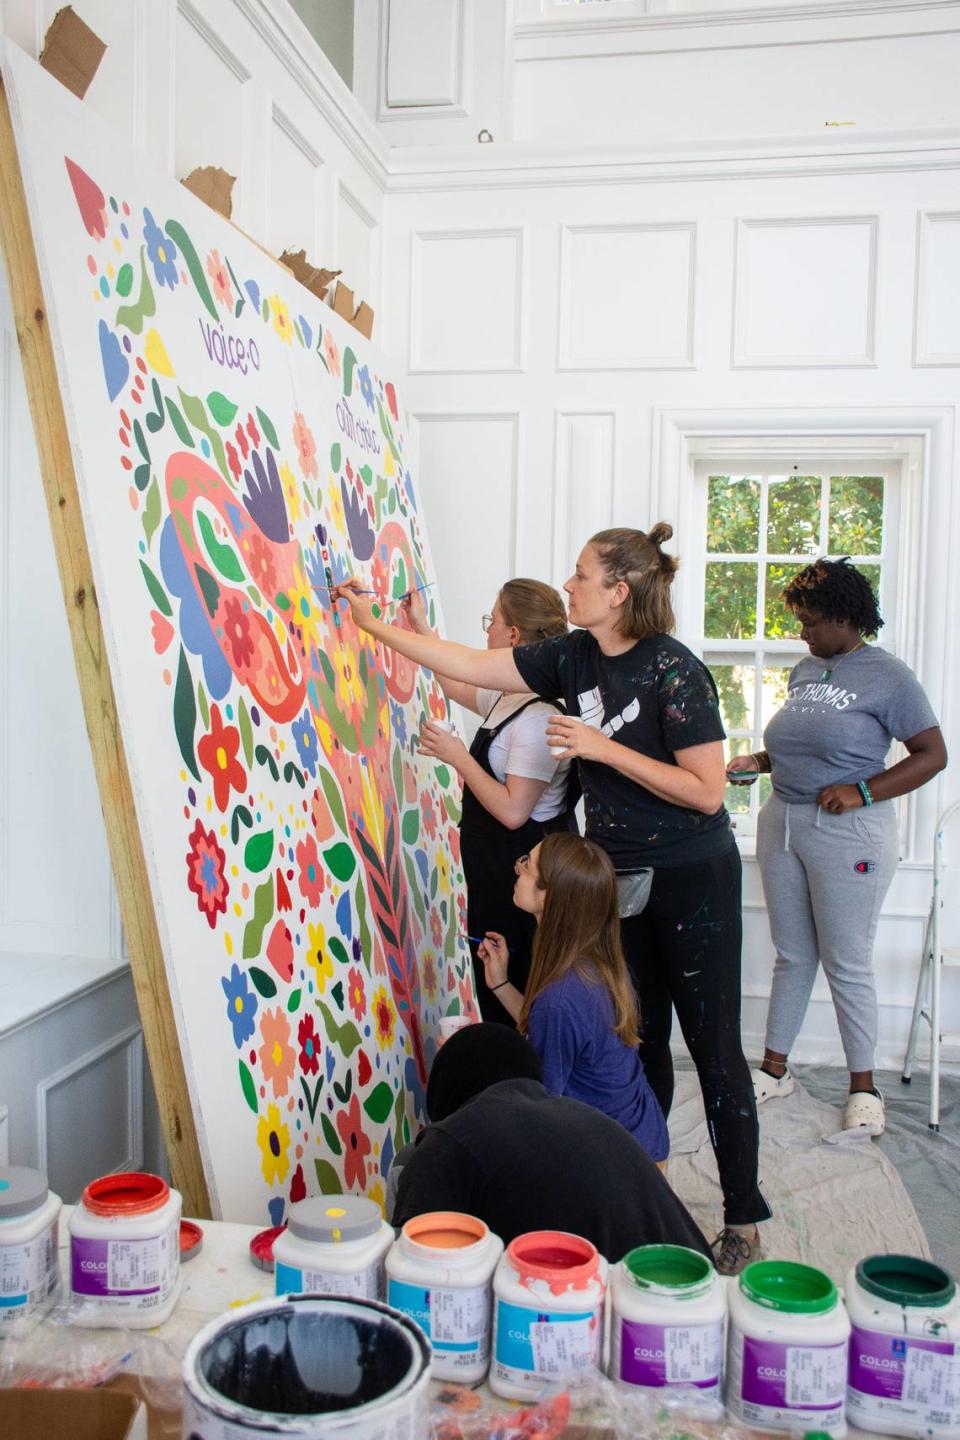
(864,1111)
(768,1087)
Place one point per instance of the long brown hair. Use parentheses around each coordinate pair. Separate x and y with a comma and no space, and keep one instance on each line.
(636,558)
(534,607)
(580,927)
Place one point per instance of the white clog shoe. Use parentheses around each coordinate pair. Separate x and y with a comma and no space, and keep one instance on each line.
(864,1111)
(769,1087)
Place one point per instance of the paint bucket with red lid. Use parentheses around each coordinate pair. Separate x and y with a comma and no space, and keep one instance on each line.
(125,1251)
(548,1312)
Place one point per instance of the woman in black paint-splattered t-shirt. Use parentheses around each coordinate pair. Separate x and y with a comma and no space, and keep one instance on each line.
(648,744)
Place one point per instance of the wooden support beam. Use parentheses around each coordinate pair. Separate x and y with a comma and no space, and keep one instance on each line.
(96,688)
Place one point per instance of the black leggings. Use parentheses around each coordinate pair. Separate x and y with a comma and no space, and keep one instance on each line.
(683,951)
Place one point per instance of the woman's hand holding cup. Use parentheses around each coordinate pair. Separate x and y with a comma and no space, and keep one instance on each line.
(743,769)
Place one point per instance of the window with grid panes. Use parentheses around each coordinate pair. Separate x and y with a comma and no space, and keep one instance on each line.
(762,522)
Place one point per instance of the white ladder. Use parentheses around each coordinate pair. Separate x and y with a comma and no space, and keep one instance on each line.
(935,955)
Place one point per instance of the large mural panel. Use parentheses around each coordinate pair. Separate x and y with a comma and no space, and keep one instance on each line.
(239,449)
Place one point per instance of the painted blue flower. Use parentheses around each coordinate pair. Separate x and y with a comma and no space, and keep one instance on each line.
(366,386)
(386,1154)
(305,330)
(362,538)
(414,1088)
(398,720)
(264,498)
(195,630)
(306,738)
(253,290)
(241,1004)
(408,486)
(161,252)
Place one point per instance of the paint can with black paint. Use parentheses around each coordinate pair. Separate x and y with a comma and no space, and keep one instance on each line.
(307,1367)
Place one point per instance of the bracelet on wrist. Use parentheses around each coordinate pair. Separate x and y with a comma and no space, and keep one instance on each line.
(865,794)
(500,986)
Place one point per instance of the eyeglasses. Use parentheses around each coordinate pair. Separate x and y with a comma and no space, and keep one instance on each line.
(521,865)
(486,621)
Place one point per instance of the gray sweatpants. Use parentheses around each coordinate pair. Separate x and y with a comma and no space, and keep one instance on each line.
(824,879)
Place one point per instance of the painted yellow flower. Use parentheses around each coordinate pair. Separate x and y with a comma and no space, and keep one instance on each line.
(291,491)
(273,1137)
(350,691)
(384,1016)
(281,319)
(338,520)
(318,956)
(375,1193)
(304,610)
(443,872)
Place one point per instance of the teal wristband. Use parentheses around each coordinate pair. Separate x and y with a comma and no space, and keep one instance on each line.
(864,789)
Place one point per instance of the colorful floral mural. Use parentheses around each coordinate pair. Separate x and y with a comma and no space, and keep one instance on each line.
(307,860)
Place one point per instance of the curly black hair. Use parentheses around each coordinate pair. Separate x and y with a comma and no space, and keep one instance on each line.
(838,591)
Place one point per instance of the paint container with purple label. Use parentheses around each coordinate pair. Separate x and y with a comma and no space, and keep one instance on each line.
(787,1350)
(904,1371)
(667,1316)
(125,1251)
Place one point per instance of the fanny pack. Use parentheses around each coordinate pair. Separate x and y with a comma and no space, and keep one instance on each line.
(633,892)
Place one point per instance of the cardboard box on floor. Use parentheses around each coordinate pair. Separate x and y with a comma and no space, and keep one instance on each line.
(81,1414)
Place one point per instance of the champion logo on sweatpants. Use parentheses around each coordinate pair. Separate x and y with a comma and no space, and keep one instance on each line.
(865,867)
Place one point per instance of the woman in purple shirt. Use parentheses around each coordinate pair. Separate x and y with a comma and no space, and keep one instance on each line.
(579,1010)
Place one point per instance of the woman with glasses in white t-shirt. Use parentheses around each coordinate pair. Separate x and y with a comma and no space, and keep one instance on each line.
(515,790)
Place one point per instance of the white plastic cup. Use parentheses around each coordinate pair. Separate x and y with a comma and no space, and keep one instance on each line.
(450,1024)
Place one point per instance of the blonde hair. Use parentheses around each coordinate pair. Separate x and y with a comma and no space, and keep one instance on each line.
(534,607)
(637,559)
(580,928)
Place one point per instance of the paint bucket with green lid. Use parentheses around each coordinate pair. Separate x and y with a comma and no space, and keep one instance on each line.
(787,1349)
(904,1372)
(668,1310)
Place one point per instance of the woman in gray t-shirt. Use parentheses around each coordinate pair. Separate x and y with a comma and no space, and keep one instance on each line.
(827,840)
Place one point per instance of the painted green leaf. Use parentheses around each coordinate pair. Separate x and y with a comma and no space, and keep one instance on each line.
(362,927)
(281,601)
(157,593)
(262,915)
(196,412)
(414,889)
(330,790)
(335,457)
(246,731)
(263,757)
(222,409)
(266,425)
(209,588)
(141,441)
(191,259)
(452,808)
(125,280)
(258,851)
(327,1178)
(223,556)
(379,1103)
(293,1001)
(443,776)
(179,424)
(346,1036)
(397,770)
(332,1139)
(265,986)
(410,827)
(248,1087)
(349,364)
(340,861)
(337,947)
(133,316)
(151,512)
(204,707)
(185,713)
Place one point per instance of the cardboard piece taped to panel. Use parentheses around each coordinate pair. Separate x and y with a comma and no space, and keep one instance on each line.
(359,316)
(72,51)
(317,281)
(213,186)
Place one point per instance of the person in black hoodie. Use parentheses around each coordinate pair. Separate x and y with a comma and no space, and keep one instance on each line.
(500,1147)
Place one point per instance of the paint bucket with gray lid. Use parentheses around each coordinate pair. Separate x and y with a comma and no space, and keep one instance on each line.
(314,1367)
(333,1245)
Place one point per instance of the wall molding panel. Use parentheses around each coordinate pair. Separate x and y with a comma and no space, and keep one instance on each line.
(128,1045)
(440,88)
(622,291)
(467,301)
(937,314)
(583,481)
(794,277)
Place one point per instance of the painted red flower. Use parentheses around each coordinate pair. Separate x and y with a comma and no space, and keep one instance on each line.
(90,199)
(298,1188)
(236,626)
(206,866)
(453,842)
(356,997)
(379,578)
(252,430)
(468,1004)
(436,928)
(429,817)
(162,631)
(356,1145)
(234,461)
(438,705)
(242,441)
(462,910)
(260,560)
(217,753)
(310,879)
(310,1046)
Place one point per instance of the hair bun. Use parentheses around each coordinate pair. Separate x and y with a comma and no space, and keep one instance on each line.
(660,532)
